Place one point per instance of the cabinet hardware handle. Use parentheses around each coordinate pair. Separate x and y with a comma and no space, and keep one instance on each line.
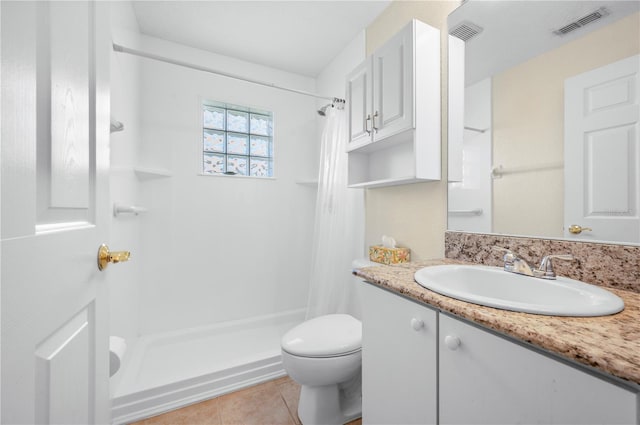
(452,342)
(366,124)
(417,324)
(374,121)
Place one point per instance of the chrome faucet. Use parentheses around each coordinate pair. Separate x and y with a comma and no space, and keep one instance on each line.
(515,264)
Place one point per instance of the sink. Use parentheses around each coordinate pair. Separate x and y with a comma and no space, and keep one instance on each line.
(494,287)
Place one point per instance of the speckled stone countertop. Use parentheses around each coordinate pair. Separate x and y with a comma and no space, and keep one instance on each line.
(609,343)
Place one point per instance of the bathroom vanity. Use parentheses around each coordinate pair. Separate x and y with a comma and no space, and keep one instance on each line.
(428,358)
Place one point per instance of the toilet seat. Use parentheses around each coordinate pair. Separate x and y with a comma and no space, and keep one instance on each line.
(325,336)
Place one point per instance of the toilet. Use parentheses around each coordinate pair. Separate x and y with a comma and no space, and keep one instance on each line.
(324,356)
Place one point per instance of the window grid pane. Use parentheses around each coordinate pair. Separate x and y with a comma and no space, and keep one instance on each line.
(237,141)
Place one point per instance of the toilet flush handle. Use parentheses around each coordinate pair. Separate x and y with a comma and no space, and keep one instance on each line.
(417,324)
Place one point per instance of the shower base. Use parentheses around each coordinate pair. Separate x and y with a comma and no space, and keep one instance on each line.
(166,371)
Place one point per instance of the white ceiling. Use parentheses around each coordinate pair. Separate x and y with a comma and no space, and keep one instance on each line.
(295,36)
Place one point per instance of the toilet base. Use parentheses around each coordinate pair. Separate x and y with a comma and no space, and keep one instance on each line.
(323,405)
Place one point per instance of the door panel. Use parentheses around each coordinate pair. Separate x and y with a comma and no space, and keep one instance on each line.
(55,176)
(64,112)
(359,97)
(602,152)
(610,190)
(60,355)
(393,86)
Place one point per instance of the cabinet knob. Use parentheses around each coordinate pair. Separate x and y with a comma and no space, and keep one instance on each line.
(452,342)
(417,324)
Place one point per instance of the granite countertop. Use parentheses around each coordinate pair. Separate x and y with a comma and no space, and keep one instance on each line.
(608,343)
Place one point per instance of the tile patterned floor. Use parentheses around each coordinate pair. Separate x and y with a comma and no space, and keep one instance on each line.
(272,403)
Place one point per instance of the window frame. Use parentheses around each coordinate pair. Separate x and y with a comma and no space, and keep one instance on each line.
(206,102)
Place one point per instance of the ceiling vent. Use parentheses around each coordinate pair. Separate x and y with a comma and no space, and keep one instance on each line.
(465,31)
(579,23)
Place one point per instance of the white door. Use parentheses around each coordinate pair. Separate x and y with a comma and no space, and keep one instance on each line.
(359,103)
(55,164)
(399,355)
(487,379)
(393,85)
(602,153)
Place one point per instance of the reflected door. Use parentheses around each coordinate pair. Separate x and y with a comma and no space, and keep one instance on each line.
(55,163)
(602,153)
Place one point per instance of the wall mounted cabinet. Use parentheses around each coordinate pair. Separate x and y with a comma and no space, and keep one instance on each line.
(394,111)
(449,371)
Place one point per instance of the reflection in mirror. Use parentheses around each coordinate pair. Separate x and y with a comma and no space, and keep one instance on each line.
(544,119)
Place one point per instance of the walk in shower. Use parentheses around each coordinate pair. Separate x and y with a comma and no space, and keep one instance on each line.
(219,267)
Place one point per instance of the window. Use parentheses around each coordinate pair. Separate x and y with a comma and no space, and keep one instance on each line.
(236,140)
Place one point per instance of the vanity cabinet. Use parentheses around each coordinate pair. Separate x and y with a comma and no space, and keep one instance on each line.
(393,102)
(399,349)
(453,372)
(486,378)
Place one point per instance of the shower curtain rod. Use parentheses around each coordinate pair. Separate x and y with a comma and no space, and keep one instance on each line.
(123,49)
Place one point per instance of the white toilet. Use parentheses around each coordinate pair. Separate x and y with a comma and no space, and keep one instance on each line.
(324,356)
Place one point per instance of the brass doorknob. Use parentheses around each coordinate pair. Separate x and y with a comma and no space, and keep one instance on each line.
(105,256)
(576,230)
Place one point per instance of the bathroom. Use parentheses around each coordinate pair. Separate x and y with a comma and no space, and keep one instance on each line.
(213,254)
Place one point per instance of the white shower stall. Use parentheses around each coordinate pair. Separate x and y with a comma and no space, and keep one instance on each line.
(219,265)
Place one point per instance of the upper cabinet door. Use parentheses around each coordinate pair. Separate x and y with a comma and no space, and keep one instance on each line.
(393,86)
(359,88)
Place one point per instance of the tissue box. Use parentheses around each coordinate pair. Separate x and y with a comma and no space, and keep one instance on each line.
(381,254)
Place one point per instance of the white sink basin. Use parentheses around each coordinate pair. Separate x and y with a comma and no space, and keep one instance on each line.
(493,287)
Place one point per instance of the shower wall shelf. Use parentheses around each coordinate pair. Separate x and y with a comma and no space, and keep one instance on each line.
(145,173)
(394,111)
(308,183)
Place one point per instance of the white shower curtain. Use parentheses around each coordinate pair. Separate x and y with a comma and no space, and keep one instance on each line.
(339,225)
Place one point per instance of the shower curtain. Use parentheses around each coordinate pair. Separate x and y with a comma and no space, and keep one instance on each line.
(339,225)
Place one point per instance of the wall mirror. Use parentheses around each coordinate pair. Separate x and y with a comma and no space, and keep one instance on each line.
(544,119)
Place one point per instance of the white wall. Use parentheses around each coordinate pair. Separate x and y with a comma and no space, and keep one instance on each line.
(219,248)
(125,230)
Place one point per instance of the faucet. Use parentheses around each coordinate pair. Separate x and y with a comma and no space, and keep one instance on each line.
(515,264)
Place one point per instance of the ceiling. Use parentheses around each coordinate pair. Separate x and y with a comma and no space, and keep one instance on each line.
(296,36)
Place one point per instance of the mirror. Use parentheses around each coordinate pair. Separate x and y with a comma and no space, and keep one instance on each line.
(544,119)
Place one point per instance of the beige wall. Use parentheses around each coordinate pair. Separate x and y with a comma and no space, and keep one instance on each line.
(528,127)
(415,214)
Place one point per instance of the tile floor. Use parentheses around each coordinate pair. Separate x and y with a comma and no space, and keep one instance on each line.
(272,403)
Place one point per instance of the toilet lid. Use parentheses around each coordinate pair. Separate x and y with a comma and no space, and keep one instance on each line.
(324,336)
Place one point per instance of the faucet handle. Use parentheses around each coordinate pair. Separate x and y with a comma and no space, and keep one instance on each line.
(508,258)
(545,270)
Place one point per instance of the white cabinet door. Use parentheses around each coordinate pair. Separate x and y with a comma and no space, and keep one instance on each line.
(491,380)
(393,88)
(399,338)
(55,212)
(359,104)
(602,152)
